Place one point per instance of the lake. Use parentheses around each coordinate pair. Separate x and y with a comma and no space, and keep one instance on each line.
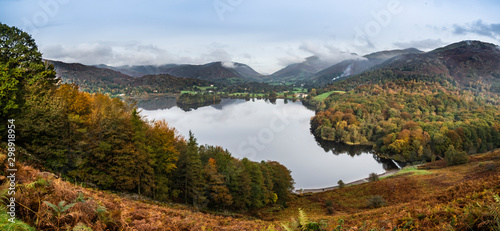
(280,131)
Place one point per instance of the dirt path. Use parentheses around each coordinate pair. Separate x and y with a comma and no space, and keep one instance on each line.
(388,173)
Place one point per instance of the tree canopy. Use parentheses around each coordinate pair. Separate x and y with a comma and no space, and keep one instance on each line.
(21,68)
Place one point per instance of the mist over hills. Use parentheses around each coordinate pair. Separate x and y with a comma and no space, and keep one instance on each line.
(468,62)
(299,71)
(215,71)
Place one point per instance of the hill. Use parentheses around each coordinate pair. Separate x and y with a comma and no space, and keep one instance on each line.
(139,70)
(227,72)
(97,79)
(428,197)
(352,67)
(216,71)
(164,83)
(432,196)
(299,71)
(90,78)
(418,106)
(104,210)
(473,64)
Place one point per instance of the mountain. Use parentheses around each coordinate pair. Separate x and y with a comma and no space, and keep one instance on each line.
(139,70)
(300,71)
(473,64)
(350,67)
(166,83)
(89,76)
(93,79)
(215,71)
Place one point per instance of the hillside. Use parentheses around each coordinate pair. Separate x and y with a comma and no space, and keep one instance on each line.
(216,71)
(348,68)
(97,79)
(299,71)
(432,196)
(164,83)
(412,108)
(140,70)
(105,210)
(90,78)
(429,197)
(473,64)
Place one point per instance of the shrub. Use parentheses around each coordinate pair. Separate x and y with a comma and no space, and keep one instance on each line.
(373,177)
(329,206)
(81,227)
(341,184)
(376,201)
(303,223)
(454,157)
(490,167)
(328,203)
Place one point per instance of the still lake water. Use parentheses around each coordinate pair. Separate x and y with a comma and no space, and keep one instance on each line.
(260,130)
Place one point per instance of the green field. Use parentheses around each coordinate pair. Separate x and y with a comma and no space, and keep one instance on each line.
(200,89)
(325,95)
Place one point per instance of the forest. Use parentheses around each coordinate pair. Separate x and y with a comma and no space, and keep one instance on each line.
(104,142)
(409,117)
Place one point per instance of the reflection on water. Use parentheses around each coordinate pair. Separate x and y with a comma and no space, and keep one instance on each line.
(280,131)
(354,150)
(155,103)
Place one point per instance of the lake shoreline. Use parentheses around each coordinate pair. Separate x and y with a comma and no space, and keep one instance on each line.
(360,181)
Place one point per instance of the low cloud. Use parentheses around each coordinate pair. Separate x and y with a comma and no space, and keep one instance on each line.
(217,52)
(228,64)
(130,53)
(421,44)
(478,27)
(88,53)
(290,59)
(328,53)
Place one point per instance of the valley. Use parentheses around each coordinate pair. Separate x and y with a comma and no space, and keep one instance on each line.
(219,146)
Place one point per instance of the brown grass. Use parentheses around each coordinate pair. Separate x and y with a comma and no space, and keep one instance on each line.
(458,197)
(450,198)
(103,210)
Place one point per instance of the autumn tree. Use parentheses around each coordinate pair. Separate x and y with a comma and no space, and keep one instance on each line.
(21,69)
(217,192)
(282,182)
(164,143)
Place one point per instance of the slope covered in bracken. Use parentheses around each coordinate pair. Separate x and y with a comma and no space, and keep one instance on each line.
(104,210)
(430,197)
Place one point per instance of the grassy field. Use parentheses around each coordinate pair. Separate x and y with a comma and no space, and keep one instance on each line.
(203,88)
(325,95)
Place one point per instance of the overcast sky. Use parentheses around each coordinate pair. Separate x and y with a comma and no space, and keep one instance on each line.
(267,35)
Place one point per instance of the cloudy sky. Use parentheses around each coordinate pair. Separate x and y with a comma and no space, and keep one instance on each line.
(267,35)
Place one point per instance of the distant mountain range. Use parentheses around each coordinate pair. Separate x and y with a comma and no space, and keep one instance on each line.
(215,71)
(93,79)
(467,62)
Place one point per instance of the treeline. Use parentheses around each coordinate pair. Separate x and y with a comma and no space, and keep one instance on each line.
(163,83)
(411,120)
(187,99)
(104,142)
